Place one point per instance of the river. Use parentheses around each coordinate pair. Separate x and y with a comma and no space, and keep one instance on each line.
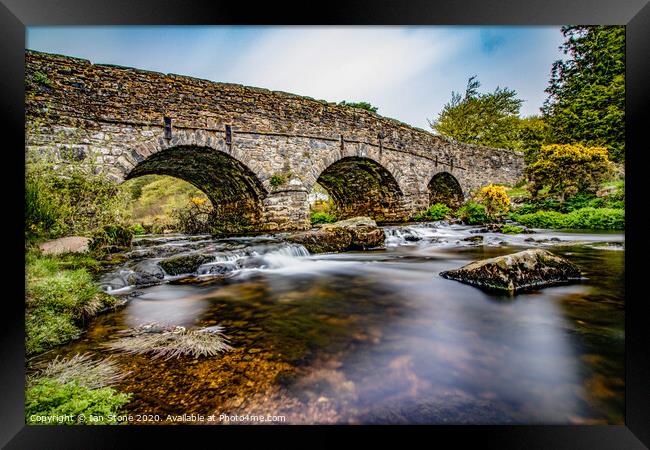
(377,337)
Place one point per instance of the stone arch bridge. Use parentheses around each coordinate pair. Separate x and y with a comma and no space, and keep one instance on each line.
(256,153)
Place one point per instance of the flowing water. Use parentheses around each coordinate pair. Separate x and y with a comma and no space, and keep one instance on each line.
(377,336)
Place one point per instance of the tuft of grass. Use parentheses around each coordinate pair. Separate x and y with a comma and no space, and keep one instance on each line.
(171,341)
(74,386)
(278,180)
(82,370)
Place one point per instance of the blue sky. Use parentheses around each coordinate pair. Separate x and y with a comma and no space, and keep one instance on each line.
(407,72)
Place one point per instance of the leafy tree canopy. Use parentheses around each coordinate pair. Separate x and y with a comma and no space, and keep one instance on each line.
(490,119)
(566,170)
(586,100)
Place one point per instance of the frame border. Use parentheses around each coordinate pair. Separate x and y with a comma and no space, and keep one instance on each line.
(16,15)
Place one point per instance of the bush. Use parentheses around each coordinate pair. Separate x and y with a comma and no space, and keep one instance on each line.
(42,215)
(111,236)
(69,198)
(511,229)
(198,217)
(596,219)
(322,217)
(584,218)
(138,229)
(472,213)
(437,211)
(495,200)
(568,169)
(47,397)
(541,219)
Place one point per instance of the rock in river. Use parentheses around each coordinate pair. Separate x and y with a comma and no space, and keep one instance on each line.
(184,264)
(358,233)
(526,270)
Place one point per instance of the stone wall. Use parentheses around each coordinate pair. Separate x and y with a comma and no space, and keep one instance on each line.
(116,116)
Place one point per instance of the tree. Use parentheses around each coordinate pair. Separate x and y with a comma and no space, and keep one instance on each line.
(490,119)
(586,102)
(533,133)
(568,169)
(361,105)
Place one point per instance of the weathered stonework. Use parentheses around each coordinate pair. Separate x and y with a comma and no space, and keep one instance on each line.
(372,165)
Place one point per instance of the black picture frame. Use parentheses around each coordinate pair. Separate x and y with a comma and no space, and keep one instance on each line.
(15,15)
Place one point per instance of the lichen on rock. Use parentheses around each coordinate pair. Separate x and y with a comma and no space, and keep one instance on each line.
(357,233)
(526,270)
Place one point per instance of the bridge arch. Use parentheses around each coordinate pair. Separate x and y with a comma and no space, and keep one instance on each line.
(361,186)
(236,193)
(445,188)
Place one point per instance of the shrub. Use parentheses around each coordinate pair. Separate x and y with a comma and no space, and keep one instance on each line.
(322,217)
(495,199)
(197,217)
(138,229)
(69,198)
(472,213)
(568,169)
(511,229)
(596,219)
(437,211)
(49,398)
(111,236)
(584,218)
(542,219)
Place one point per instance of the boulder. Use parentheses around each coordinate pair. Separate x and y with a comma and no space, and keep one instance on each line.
(71,244)
(147,272)
(184,264)
(526,270)
(357,233)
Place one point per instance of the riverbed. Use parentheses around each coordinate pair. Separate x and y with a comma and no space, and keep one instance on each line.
(374,337)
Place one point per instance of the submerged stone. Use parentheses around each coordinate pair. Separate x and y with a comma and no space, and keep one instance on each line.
(526,270)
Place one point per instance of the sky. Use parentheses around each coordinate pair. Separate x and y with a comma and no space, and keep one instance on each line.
(407,72)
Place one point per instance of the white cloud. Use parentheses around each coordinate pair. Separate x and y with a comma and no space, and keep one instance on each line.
(342,63)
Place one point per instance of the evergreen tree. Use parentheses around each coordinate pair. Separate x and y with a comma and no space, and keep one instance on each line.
(586,100)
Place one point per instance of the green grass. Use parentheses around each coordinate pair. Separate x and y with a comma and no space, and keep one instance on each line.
(60,294)
(75,386)
(517,192)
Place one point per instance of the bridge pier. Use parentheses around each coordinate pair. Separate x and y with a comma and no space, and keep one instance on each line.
(286,210)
